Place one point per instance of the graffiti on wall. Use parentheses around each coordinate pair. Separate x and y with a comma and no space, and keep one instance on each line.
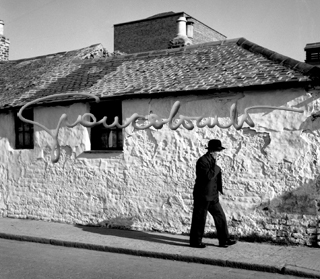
(152,120)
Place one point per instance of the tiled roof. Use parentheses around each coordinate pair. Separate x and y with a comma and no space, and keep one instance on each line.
(207,67)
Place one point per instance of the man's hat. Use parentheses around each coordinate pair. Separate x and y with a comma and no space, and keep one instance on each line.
(214,145)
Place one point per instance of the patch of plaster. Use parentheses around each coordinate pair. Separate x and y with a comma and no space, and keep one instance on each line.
(175,202)
(119,222)
(4,188)
(266,137)
(234,155)
(67,151)
(153,140)
(238,148)
(317,188)
(267,141)
(263,128)
(312,123)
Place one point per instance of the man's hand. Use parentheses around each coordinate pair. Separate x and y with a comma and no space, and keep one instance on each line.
(217,169)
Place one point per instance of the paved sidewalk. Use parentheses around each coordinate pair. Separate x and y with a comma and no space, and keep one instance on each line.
(298,261)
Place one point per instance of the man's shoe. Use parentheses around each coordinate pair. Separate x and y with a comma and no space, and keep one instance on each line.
(198,245)
(223,245)
(228,242)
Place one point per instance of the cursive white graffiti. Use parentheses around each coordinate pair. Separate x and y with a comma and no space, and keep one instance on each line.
(151,120)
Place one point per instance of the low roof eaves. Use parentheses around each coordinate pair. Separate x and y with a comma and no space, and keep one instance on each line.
(210,67)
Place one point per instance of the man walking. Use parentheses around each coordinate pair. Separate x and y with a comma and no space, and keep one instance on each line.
(206,198)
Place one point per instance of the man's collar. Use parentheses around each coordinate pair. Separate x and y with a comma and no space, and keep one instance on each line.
(209,155)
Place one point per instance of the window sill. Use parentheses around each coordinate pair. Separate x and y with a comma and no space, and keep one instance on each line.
(103,151)
(101,154)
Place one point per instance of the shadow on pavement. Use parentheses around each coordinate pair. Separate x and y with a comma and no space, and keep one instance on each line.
(177,241)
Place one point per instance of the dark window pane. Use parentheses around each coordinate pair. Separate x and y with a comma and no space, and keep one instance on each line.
(20,139)
(31,138)
(24,131)
(120,138)
(113,139)
(103,138)
(27,140)
(26,127)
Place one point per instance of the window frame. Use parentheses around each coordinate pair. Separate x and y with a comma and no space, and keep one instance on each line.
(24,129)
(99,110)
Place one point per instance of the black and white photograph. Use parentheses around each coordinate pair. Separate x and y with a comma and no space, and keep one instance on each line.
(159,139)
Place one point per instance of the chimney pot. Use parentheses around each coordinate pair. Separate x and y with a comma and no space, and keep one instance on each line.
(182,27)
(1,27)
(190,29)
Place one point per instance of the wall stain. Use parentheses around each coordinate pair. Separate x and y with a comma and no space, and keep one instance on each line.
(265,136)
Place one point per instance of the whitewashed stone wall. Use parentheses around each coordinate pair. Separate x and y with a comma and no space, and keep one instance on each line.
(271,172)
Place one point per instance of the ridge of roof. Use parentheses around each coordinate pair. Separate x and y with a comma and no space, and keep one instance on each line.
(306,69)
(167,51)
(50,55)
(168,14)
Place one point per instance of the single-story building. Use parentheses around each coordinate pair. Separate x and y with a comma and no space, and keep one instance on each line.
(142,177)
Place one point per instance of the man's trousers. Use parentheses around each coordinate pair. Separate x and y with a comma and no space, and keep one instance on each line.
(199,216)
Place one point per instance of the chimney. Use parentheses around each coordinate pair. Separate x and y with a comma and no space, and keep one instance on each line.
(4,44)
(313,53)
(1,27)
(181,39)
(190,28)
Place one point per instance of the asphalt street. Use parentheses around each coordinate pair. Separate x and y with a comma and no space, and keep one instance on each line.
(26,260)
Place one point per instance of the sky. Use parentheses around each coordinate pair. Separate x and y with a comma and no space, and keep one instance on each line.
(40,27)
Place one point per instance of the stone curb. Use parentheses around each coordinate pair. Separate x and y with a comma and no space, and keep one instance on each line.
(287,269)
(300,271)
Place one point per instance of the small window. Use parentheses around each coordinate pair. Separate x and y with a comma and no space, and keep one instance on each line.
(103,138)
(24,131)
(313,55)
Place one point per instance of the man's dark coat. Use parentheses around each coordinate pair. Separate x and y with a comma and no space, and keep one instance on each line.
(208,180)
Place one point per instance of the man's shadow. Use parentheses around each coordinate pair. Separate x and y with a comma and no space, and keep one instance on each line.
(177,240)
(138,235)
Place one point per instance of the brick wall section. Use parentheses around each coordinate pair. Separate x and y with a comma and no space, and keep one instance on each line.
(318,237)
(145,35)
(281,228)
(318,222)
(203,34)
(4,48)
(155,33)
